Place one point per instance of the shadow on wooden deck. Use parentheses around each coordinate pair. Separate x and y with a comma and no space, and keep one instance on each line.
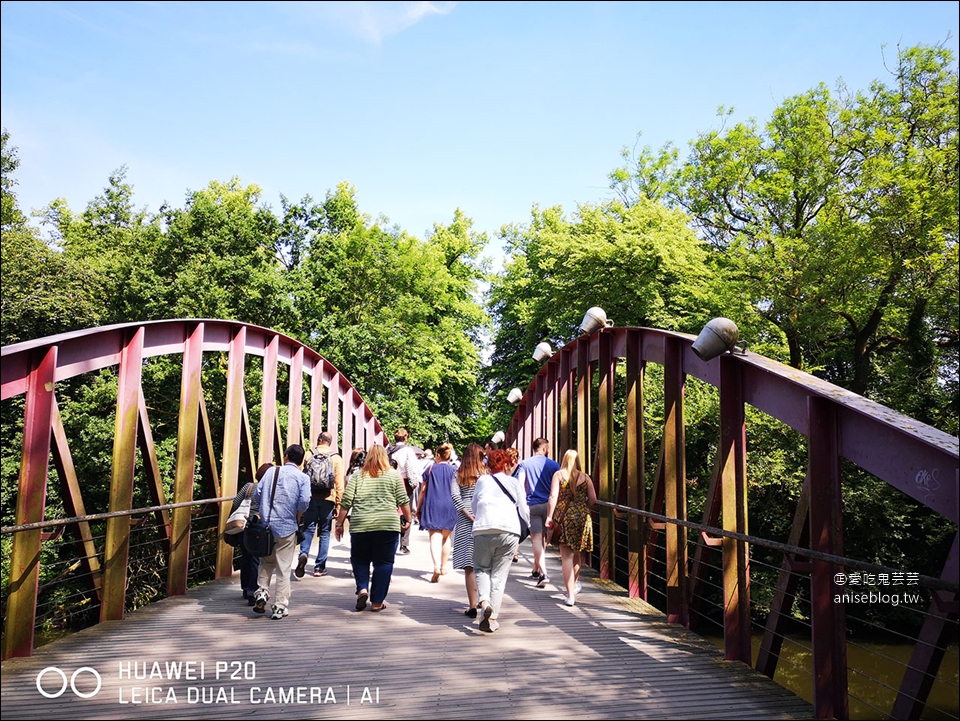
(607,657)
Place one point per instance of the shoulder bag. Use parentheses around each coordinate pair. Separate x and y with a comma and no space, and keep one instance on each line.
(258,537)
(238,519)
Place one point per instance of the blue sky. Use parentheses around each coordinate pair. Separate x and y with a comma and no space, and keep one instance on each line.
(423,107)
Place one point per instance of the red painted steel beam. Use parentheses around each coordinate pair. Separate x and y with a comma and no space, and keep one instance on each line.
(733,477)
(604,476)
(565,437)
(584,446)
(127,345)
(31,499)
(699,568)
(333,406)
(914,457)
(785,590)
(151,467)
(919,460)
(73,500)
(550,407)
(295,402)
(234,419)
(675,487)
(316,407)
(939,627)
(187,432)
(117,544)
(347,419)
(826,536)
(268,406)
(633,450)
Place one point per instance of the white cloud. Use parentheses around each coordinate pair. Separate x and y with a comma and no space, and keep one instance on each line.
(374,21)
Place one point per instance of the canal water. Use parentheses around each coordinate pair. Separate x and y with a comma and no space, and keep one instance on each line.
(874,673)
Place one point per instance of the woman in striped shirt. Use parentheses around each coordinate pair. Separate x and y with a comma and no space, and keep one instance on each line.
(372,499)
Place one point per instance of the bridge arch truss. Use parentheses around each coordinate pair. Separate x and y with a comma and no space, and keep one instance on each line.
(571,401)
(34,369)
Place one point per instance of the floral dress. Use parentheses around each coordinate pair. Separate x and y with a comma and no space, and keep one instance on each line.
(573,515)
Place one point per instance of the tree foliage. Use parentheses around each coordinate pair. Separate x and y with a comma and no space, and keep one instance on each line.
(641,263)
(838,220)
(828,232)
(397,313)
(43,292)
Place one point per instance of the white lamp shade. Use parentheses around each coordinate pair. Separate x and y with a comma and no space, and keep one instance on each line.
(542,352)
(719,336)
(593,320)
(515,395)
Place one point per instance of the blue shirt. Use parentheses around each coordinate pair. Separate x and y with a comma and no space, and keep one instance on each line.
(293,497)
(538,471)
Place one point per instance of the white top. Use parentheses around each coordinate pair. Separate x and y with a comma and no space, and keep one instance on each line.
(407,463)
(495,512)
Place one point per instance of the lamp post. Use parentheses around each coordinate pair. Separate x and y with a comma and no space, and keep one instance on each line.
(719,336)
(593,320)
(542,352)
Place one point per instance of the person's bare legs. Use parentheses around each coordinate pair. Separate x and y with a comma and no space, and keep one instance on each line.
(570,567)
(470,581)
(445,550)
(436,553)
(536,540)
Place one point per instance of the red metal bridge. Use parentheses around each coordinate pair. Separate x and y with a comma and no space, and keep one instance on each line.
(592,395)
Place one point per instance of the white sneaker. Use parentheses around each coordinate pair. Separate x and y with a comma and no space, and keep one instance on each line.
(579,587)
(569,601)
(279,613)
(486,624)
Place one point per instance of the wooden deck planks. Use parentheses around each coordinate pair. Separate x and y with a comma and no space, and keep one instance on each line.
(608,657)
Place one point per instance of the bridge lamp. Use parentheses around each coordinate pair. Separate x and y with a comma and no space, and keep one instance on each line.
(594,320)
(498,437)
(719,336)
(515,395)
(542,352)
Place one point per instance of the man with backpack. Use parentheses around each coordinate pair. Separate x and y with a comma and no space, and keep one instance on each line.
(325,471)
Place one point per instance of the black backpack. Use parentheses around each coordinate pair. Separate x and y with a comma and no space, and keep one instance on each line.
(320,470)
(391,449)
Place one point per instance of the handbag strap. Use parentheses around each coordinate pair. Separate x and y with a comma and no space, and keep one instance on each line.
(509,495)
(273,493)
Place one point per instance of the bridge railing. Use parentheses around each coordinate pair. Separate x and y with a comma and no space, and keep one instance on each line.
(574,402)
(31,373)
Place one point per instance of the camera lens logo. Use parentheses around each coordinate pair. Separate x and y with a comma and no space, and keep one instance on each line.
(72,683)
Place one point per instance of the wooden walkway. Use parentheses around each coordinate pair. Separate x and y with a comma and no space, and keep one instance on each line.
(421,658)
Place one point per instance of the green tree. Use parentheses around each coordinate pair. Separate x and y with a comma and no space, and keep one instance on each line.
(641,263)
(396,314)
(838,220)
(219,259)
(10,216)
(43,292)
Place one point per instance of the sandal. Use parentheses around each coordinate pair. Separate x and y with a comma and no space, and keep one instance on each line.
(376,609)
(435,577)
(362,600)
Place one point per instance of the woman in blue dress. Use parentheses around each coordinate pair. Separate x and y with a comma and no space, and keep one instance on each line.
(436,511)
